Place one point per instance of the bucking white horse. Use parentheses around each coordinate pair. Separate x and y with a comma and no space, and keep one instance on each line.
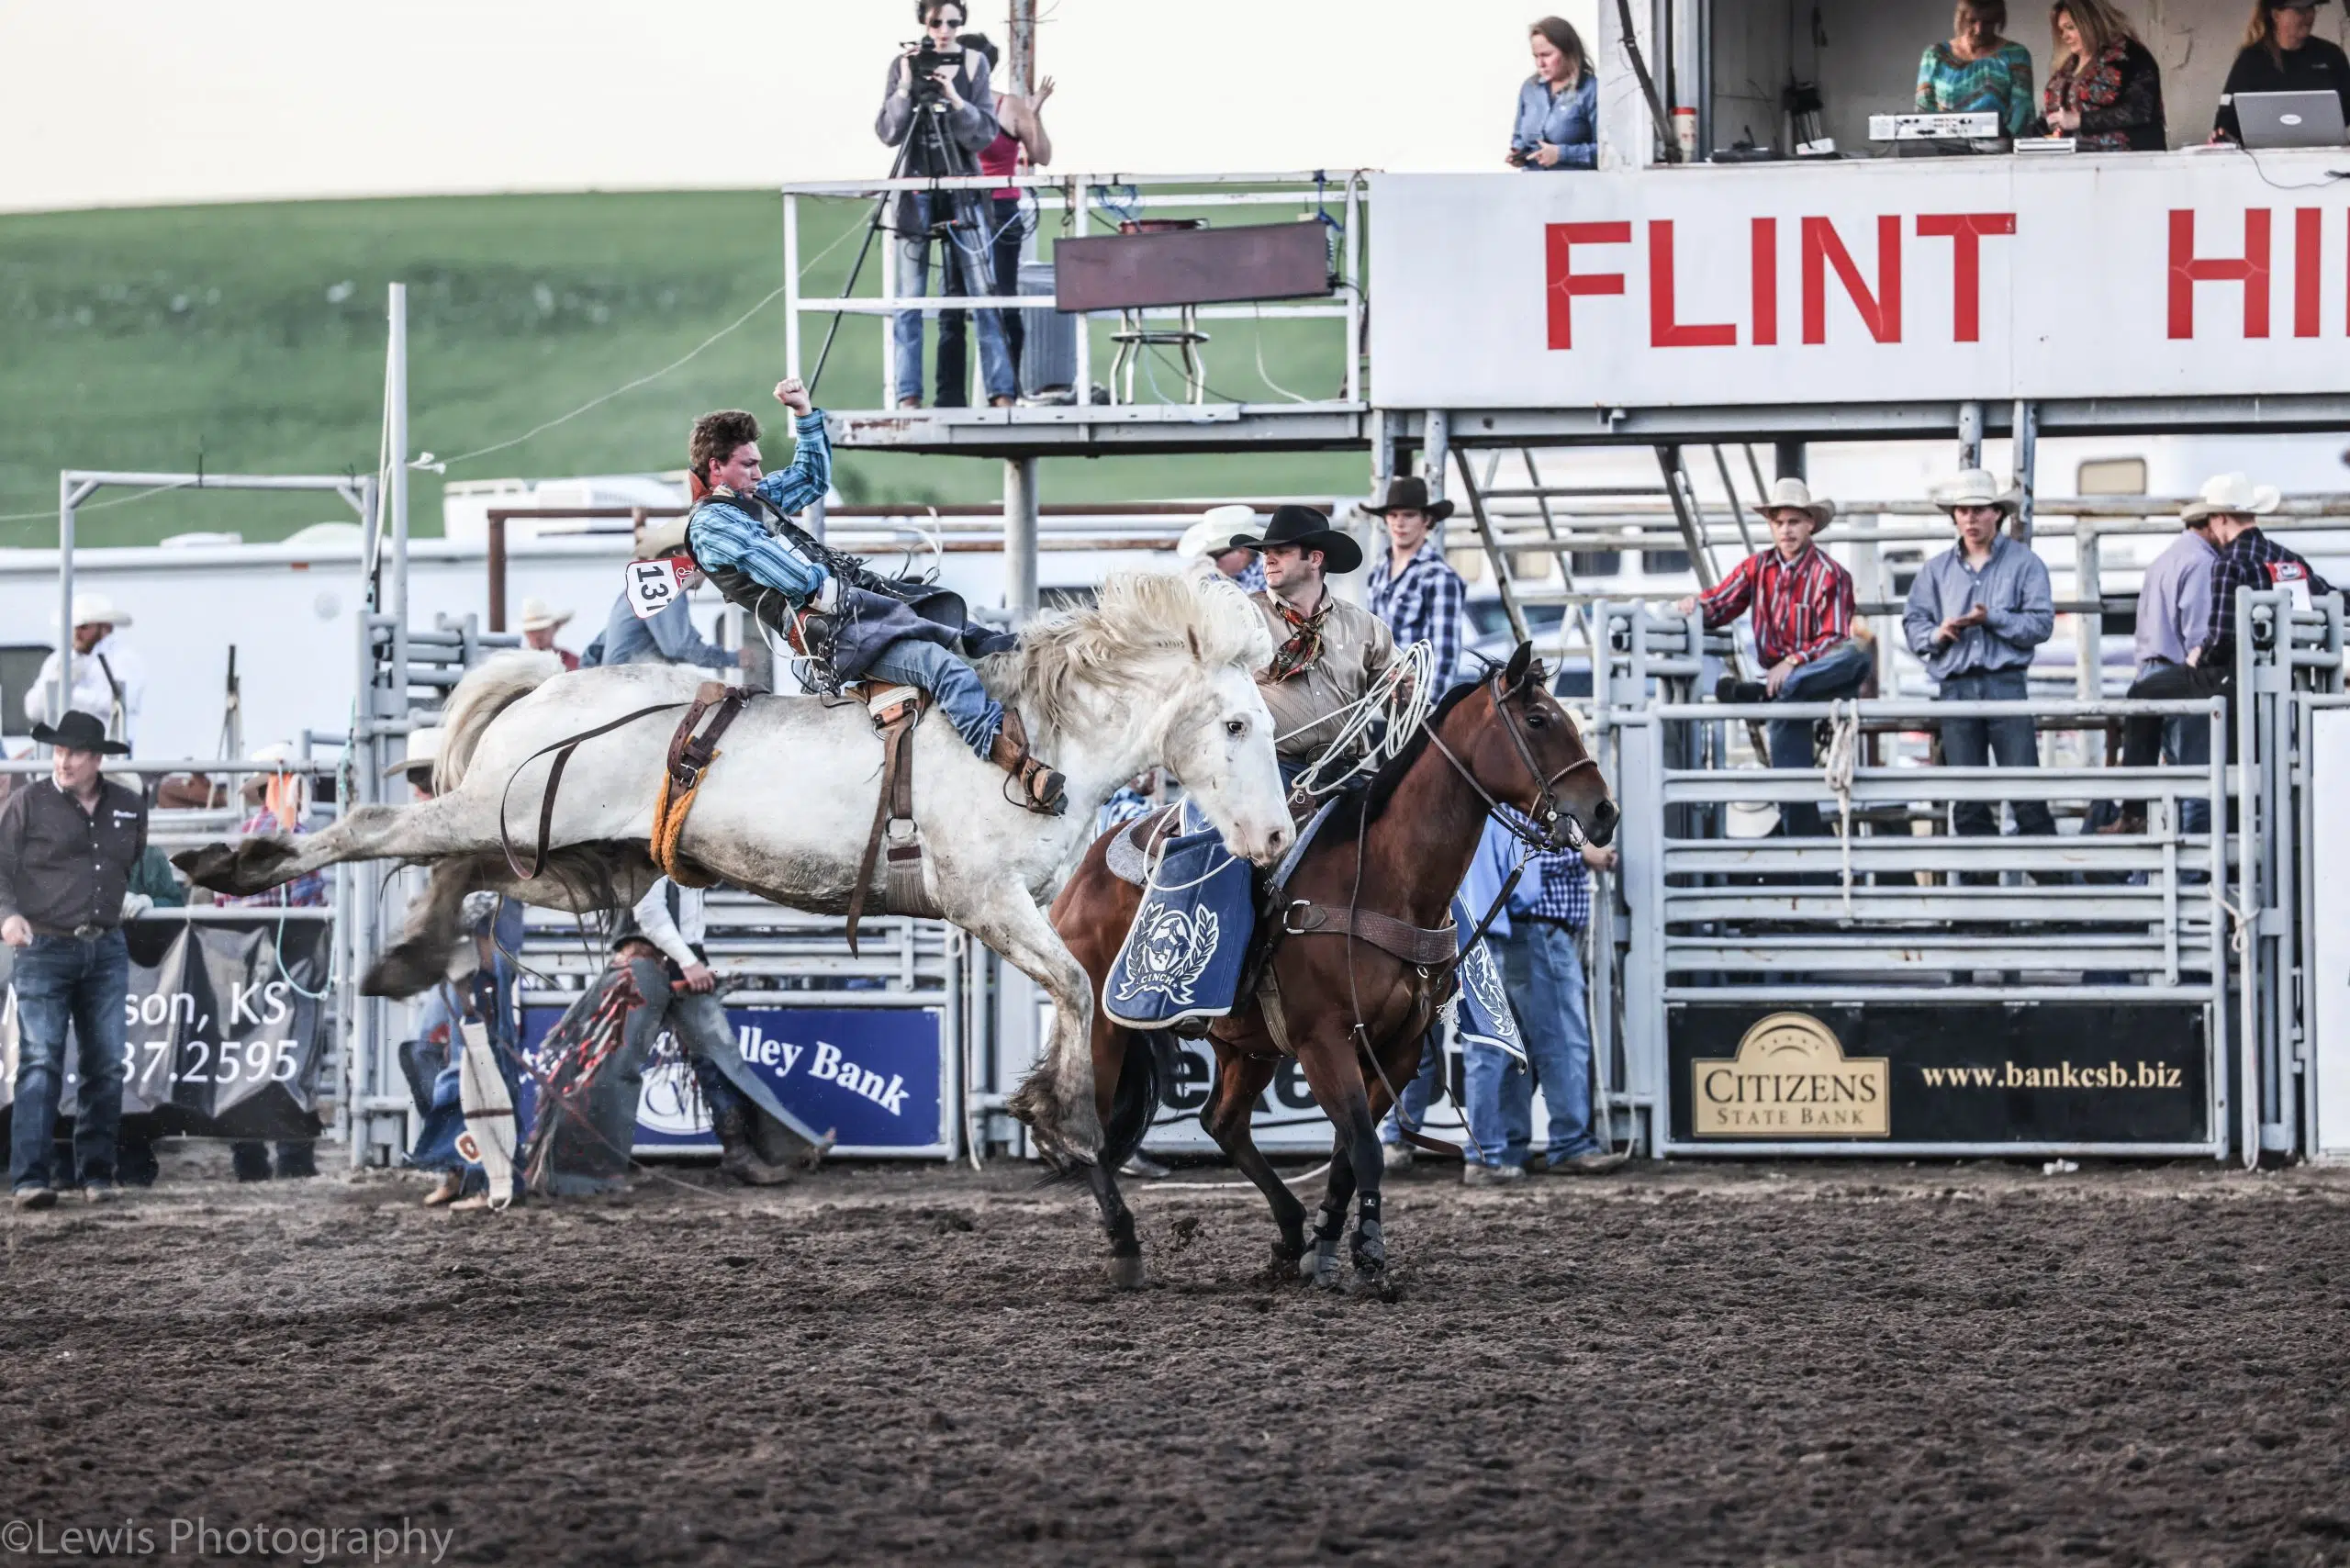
(1159,672)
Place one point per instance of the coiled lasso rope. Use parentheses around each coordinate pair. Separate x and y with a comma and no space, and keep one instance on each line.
(1399,698)
(1843,759)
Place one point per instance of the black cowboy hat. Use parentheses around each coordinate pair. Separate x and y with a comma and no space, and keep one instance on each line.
(1409,492)
(1308,530)
(79,732)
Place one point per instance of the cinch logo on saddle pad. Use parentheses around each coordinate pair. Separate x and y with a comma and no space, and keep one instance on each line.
(1790,1079)
(1182,955)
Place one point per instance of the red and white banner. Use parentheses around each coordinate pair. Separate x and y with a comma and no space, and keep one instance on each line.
(1914,280)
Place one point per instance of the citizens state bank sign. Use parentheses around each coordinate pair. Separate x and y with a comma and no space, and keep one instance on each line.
(2158,274)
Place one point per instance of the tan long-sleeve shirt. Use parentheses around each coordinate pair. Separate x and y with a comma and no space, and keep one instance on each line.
(1357,648)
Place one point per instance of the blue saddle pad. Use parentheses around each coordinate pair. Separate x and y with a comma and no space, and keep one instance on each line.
(1484,1017)
(1183,957)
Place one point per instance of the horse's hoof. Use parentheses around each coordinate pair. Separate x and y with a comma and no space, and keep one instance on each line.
(1322,1269)
(1127,1273)
(204,866)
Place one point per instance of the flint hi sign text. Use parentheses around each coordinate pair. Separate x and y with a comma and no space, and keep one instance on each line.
(1921,281)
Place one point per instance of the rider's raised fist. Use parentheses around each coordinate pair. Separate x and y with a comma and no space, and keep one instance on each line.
(793,395)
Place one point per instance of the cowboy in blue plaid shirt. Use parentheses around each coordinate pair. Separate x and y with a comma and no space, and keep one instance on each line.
(1412,589)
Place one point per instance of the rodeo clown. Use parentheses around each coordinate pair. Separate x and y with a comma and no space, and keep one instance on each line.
(830,609)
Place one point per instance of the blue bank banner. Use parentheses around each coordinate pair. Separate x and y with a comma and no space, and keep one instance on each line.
(874,1076)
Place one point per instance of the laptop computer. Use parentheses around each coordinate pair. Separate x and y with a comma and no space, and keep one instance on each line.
(2289,120)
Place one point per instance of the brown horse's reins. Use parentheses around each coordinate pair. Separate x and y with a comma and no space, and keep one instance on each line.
(1551,814)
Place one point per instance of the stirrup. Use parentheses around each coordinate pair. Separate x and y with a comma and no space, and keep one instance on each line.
(1045,790)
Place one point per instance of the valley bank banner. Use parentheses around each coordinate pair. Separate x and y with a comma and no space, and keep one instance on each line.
(875,1077)
(2100,275)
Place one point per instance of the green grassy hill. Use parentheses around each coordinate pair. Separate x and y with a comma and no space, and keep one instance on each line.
(251,338)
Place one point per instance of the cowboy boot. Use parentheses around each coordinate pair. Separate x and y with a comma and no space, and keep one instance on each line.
(741,1160)
(1042,789)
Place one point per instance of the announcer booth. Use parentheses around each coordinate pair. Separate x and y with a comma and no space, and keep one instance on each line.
(1899,989)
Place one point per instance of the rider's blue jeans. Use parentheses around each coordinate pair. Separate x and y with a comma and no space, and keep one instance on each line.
(952,684)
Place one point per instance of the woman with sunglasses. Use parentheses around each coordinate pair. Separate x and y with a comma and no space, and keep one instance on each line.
(962,112)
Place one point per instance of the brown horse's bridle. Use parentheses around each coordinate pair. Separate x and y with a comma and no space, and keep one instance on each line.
(1547,813)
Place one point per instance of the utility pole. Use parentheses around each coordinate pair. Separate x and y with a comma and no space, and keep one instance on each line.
(1021,61)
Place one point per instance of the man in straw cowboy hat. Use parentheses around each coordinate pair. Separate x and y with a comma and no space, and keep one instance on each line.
(2229,505)
(1412,589)
(538,626)
(1976,613)
(110,680)
(67,847)
(1209,543)
(1801,605)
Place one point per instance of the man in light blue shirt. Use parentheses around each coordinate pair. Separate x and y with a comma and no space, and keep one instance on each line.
(2174,614)
(1976,613)
(666,637)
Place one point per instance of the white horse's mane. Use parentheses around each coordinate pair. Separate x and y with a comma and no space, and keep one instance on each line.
(1136,616)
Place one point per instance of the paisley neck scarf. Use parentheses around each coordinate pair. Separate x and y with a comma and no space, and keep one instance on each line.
(1304,644)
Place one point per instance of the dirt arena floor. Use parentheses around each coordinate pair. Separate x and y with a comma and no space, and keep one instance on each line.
(1738,1365)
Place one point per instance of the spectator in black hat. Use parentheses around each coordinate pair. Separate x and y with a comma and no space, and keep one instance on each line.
(67,847)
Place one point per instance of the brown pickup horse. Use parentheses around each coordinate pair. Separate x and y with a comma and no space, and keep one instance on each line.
(1362,960)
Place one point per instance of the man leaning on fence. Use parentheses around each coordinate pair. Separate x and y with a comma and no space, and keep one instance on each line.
(1802,609)
(2231,505)
(67,845)
(1976,613)
(2174,613)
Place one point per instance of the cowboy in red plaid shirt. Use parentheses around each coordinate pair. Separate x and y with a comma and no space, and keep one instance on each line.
(1801,604)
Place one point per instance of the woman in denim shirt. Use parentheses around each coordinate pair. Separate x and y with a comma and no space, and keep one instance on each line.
(1558,108)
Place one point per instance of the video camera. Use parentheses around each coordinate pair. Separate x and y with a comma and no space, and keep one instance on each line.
(927,59)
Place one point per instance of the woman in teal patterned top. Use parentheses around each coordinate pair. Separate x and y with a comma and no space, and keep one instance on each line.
(1978,72)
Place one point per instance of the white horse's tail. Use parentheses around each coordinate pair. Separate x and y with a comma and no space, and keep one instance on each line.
(488,689)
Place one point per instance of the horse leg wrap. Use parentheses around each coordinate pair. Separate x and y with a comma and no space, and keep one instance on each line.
(1370,1250)
(1327,1229)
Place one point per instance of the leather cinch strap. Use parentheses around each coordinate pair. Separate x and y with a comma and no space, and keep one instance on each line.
(893,819)
(1422,944)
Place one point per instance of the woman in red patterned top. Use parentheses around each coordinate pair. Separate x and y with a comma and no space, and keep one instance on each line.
(2103,88)
(1801,604)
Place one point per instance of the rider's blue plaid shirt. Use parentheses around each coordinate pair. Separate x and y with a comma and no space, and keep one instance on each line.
(723,535)
(1428,603)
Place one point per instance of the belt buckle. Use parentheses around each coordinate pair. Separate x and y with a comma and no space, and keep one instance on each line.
(88,932)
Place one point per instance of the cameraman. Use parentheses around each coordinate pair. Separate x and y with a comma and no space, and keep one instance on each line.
(948,112)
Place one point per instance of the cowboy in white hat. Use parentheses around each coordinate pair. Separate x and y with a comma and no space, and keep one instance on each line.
(1209,543)
(2248,558)
(1976,613)
(538,626)
(2231,504)
(1800,603)
(423,751)
(110,681)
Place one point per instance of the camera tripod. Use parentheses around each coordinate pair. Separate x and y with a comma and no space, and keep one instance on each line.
(944,158)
